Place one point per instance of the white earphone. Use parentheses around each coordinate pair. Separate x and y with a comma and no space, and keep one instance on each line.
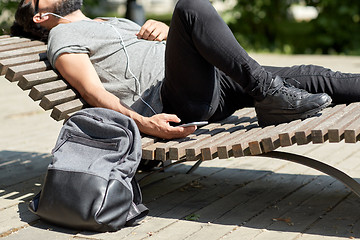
(56,15)
(128,67)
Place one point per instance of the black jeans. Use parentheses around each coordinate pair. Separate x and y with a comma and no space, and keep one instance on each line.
(208,75)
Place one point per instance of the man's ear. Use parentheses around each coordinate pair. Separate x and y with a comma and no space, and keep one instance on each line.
(39,19)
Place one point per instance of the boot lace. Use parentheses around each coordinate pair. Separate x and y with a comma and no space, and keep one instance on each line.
(288,90)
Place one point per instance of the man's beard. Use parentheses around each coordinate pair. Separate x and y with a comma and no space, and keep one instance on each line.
(66,7)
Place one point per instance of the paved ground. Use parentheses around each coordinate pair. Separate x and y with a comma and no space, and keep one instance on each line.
(244,198)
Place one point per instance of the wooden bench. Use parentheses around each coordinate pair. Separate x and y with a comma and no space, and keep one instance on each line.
(25,62)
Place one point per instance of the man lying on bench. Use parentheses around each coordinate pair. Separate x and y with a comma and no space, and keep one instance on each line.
(195,70)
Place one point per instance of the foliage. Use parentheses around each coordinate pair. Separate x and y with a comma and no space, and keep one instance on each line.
(256,23)
(266,25)
(338,26)
(7,8)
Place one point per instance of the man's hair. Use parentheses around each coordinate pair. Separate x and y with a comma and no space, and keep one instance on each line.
(24,25)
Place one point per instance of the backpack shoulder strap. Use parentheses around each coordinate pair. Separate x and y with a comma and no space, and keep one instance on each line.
(137,210)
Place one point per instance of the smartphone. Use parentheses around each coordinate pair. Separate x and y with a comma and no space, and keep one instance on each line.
(202,123)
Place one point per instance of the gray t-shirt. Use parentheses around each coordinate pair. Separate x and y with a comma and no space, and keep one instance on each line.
(102,42)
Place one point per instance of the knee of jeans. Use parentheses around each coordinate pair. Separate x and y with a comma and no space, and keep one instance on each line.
(184,6)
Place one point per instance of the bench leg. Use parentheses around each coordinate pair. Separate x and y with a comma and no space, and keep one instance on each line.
(194,167)
(322,167)
(166,164)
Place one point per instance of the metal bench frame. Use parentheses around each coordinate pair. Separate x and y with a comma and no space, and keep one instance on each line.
(24,61)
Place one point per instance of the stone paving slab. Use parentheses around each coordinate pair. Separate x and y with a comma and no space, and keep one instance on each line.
(237,198)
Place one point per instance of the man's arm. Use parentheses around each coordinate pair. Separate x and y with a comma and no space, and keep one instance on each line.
(80,73)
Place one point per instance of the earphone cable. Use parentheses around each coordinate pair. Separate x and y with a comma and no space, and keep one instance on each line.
(129,69)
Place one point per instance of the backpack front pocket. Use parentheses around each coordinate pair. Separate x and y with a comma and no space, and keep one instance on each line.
(80,152)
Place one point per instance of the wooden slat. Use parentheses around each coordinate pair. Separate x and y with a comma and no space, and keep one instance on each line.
(225,142)
(39,91)
(20,45)
(159,149)
(287,136)
(336,132)
(245,116)
(207,149)
(29,80)
(53,99)
(179,150)
(13,40)
(22,52)
(147,140)
(4,36)
(319,134)
(241,146)
(255,145)
(194,151)
(351,133)
(234,141)
(210,148)
(60,111)
(16,72)
(9,62)
(303,134)
(272,140)
(162,149)
(247,145)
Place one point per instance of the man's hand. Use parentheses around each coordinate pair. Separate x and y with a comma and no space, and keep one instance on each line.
(159,126)
(153,31)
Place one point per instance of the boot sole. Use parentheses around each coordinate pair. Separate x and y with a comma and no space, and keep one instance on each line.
(290,117)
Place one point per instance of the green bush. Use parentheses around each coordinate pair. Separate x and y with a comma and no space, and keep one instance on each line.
(337,28)
(266,25)
(8,8)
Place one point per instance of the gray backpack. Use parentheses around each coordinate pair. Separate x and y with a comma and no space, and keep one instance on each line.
(90,183)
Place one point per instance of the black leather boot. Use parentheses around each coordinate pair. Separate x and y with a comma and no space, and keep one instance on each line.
(284,103)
